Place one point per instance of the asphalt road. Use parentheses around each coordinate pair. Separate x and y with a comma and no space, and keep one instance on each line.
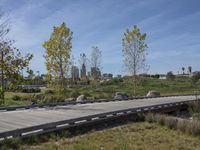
(19,119)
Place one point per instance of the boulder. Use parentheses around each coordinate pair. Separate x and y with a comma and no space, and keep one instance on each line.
(121,95)
(80,98)
(153,94)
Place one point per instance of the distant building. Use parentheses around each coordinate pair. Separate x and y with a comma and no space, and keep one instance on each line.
(162,76)
(107,76)
(95,73)
(119,76)
(89,74)
(43,76)
(183,75)
(74,73)
(30,77)
(83,71)
(195,72)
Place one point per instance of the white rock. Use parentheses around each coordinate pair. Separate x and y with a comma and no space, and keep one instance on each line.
(80,98)
(153,94)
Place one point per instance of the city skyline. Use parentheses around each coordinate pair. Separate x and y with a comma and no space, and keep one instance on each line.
(171,27)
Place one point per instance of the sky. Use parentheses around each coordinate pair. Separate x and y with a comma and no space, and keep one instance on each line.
(172,28)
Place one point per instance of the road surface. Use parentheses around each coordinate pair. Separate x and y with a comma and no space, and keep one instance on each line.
(12,120)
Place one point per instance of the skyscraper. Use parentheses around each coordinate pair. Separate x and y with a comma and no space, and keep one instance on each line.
(75,72)
(83,71)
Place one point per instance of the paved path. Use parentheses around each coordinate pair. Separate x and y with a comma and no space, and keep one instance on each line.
(19,119)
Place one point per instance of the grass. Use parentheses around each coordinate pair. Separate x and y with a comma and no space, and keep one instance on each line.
(24,99)
(191,127)
(134,136)
(165,87)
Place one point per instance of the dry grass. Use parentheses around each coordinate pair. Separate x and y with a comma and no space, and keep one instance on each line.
(188,126)
(134,136)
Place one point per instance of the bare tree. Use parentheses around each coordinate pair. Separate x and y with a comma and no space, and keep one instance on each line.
(72,66)
(83,61)
(183,69)
(190,69)
(134,53)
(95,61)
(4,25)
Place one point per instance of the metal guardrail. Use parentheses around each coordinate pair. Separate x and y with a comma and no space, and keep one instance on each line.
(13,108)
(64,124)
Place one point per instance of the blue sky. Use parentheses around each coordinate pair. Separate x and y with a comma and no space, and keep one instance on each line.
(172,27)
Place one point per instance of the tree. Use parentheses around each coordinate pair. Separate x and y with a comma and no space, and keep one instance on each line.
(30,73)
(83,64)
(170,76)
(190,69)
(95,61)
(58,49)
(196,77)
(134,52)
(4,26)
(11,63)
(183,69)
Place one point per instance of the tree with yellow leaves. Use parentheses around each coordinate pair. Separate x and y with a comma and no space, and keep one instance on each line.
(58,50)
(134,52)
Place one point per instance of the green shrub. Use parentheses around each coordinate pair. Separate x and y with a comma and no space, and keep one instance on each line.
(1,92)
(31,90)
(74,94)
(27,97)
(16,98)
(170,76)
(11,144)
(86,94)
(54,99)
(12,87)
(49,91)
(195,78)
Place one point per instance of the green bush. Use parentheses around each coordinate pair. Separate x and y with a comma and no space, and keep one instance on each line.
(12,87)
(16,98)
(54,99)
(1,92)
(195,78)
(31,90)
(11,144)
(170,76)
(74,94)
(49,91)
(27,97)
(86,94)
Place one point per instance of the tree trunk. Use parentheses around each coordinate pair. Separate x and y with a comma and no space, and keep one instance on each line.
(2,76)
(134,85)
